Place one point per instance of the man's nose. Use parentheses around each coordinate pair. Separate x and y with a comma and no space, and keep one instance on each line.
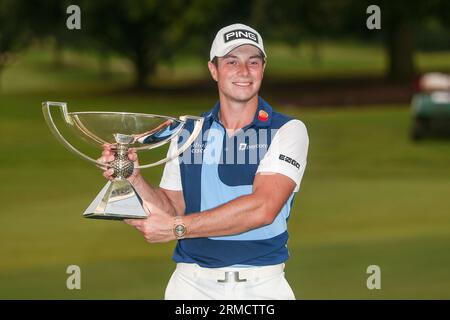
(243,69)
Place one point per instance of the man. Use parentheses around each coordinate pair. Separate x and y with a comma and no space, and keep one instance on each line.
(227,198)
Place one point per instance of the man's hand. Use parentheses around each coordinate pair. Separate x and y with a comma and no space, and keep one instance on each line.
(108,155)
(156,199)
(157,227)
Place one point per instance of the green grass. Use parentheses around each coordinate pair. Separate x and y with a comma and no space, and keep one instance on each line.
(369,197)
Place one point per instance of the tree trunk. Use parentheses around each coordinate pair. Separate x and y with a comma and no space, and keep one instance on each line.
(316,54)
(1,73)
(144,67)
(400,50)
(258,13)
(104,65)
(140,82)
(58,58)
(3,60)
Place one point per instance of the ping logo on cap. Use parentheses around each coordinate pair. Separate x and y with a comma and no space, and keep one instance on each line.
(240,34)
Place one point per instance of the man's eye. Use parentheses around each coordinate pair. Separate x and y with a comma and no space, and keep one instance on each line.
(231,62)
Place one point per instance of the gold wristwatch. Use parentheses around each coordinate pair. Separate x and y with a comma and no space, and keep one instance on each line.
(179,229)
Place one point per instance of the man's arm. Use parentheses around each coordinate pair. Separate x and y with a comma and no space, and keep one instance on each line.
(279,172)
(159,199)
(260,208)
(270,193)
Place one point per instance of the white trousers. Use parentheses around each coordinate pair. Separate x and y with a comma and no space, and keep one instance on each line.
(192,282)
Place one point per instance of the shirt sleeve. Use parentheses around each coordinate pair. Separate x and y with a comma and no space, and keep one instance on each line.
(171,178)
(287,153)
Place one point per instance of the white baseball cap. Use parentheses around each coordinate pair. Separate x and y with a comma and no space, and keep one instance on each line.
(233,36)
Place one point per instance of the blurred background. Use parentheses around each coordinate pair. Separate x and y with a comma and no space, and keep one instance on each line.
(376,104)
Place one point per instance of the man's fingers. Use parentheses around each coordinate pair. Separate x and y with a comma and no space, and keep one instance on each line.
(134,222)
(105,159)
(106,153)
(132,156)
(107,156)
(108,146)
(101,163)
(101,166)
(108,173)
(139,224)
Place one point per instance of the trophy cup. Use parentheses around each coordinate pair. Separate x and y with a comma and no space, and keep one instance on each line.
(118,199)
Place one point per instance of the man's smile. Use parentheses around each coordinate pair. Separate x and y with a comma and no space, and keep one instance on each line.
(242,84)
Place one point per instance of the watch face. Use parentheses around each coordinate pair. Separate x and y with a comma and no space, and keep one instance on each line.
(180,230)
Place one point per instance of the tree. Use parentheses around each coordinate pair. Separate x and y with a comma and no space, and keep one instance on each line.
(203,18)
(400,20)
(290,20)
(47,20)
(13,36)
(294,22)
(141,30)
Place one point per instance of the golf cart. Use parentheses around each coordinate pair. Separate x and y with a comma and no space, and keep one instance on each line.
(431,106)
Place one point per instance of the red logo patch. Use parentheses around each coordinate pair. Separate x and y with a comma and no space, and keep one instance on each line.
(263,116)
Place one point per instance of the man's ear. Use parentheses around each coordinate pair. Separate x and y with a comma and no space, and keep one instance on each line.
(264,69)
(213,70)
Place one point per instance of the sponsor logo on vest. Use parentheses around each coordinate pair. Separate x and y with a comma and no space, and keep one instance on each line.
(198,147)
(263,116)
(244,146)
(240,34)
(289,160)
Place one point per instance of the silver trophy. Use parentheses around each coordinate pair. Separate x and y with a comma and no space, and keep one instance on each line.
(118,199)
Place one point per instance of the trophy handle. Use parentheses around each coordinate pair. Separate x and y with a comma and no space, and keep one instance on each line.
(197,128)
(49,119)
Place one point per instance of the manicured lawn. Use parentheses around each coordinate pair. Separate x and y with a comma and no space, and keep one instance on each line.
(369,197)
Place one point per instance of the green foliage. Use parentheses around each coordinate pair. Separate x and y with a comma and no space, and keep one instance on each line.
(142,31)
(149,32)
(13,36)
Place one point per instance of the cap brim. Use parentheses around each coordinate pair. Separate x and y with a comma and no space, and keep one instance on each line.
(233,46)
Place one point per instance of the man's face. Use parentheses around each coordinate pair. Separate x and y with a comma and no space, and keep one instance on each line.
(239,73)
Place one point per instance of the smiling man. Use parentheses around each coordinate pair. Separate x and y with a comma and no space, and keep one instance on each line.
(227,199)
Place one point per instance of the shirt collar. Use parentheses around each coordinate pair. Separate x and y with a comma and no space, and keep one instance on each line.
(262,118)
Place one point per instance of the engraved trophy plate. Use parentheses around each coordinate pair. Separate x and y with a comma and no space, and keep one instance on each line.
(123,130)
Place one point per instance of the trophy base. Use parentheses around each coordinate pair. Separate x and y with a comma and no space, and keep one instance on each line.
(117,200)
